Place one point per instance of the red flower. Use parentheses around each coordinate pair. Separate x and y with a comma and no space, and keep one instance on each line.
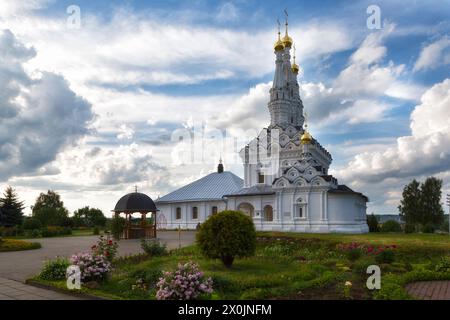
(110,242)
(93,247)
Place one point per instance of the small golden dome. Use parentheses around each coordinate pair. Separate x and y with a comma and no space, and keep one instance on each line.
(287,41)
(295,68)
(278,46)
(306,138)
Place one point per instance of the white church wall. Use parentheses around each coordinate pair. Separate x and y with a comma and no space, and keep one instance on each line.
(188,219)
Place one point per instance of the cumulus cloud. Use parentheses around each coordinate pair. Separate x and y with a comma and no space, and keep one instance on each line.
(134,48)
(355,95)
(111,166)
(434,55)
(38,117)
(425,152)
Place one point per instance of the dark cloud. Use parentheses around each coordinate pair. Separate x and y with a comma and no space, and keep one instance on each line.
(38,117)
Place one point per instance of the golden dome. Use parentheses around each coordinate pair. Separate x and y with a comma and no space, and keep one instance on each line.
(306,138)
(278,46)
(295,68)
(287,41)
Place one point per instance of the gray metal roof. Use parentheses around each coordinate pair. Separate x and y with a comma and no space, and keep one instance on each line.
(211,187)
(252,191)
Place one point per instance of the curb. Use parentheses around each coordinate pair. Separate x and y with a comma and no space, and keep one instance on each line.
(59,290)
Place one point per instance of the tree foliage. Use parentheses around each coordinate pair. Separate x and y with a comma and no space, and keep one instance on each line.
(89,217)
(50,210)
(226,235)
(372,222)
(421,203)
(11,208)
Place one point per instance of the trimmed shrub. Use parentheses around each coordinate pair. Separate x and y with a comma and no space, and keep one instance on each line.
(391,226)
(18,245)
(55,269)
(226,235)
(96,231)
(153,247)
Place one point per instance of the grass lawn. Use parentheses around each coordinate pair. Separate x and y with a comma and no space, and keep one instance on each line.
(294,266)
(17,245)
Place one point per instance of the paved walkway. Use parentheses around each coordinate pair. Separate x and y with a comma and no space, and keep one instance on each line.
(15,290)
(16,267)
(429,290)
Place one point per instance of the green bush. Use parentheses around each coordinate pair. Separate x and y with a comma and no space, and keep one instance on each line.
(153,247)
(226,235)
(31,224)
(96,231)
(385,256)
(372,222)
(151,277)
(353,254)
(443,265)
(429,228)
(35,233)
(55,269)
(410,228)
(391,226)
(55,231)
(117,227)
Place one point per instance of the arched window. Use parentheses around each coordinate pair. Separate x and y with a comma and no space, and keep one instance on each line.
(178,214)
(247,208)
(268,213)
(194,213)
(214,210)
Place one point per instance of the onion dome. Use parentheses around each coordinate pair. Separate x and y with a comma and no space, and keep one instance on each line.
(287,41)
(306,138)
(278,46)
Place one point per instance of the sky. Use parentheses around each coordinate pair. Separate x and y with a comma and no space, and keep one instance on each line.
(96,95)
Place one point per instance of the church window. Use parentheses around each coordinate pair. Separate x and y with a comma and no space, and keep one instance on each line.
(194,213)
(300,212)
(260,177)
(268,213)
(178,214)
(214,210)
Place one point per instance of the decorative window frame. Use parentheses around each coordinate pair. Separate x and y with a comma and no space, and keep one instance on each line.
(299,203)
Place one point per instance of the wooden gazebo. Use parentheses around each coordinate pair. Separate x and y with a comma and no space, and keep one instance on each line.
(137,202)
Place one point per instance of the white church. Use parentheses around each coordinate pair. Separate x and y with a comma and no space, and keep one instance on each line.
(286,184)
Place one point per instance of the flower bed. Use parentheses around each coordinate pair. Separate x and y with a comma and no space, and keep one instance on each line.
(17,245)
